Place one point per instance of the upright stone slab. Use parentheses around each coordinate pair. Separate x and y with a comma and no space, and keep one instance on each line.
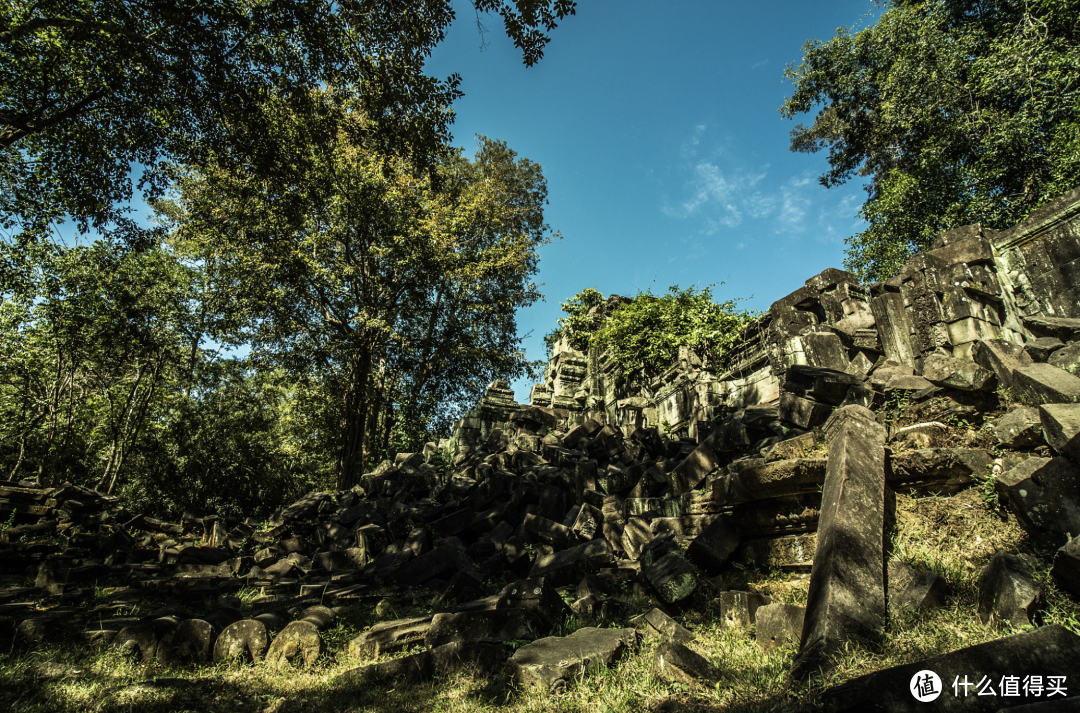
(894,327)
(846,599)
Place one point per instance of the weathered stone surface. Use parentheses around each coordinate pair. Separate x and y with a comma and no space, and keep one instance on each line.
(1047,651)
(657,624)
(797,447)
(139,641)
(937,470)
(895,328)
(1061,426)
(777,625)
(390,636)
(1007,592)
(1067,358)
(1000,357)
(673,661)
(1066,568)
(913,589)
(1045,384)
(247,639)
(550,663)
(1020,428)
(672,577)
(1044,494)
(536,596)
(779,478)
(687,475)
(191,642)
(953,373)
(1066,329)
(1040,349)
(569,566)
(804,413)
(498,625)
(714,546)
(824,385)
(298,641)
(422,666)
(846,598)
(739,609)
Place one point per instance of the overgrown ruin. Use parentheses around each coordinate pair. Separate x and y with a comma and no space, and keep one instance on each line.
(786,455)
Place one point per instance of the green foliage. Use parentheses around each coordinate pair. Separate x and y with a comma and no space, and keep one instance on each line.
(644,336)
(394,289)
(91,89)
(957,111)
(576,325)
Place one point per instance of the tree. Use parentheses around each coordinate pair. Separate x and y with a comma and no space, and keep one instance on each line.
(643,335)
(958,112)
(89,338)
(91,90)
(396,290)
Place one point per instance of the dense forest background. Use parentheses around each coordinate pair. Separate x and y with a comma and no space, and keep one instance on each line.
(312,216)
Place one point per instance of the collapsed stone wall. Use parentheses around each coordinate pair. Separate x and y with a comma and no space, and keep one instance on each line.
(973,284)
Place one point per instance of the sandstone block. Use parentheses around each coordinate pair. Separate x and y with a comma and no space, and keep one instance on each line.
(1045,384)
(550,663)
(778,624)
(1066,568)
(1061,426)
(1020,428)
(1044,494)
(673,661)
(1007,592)
(913,589)
(846,598)
(739,609)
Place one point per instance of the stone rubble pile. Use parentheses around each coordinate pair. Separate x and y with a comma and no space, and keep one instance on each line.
(606,490)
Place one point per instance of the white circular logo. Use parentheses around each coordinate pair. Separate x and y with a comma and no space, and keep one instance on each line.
(925,686)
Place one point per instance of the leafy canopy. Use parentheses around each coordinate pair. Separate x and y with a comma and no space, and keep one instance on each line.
(643,335)
(958,112)
(92,90)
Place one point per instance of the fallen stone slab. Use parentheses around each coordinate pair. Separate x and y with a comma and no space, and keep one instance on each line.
(778,624)
(675,662)
(1066,569)
(570,565)
(931,434)
(657,624)
(1067,358)
(1061,426)
(913,589)
(846,598)
(713,547)
(1007,591)
(390,636)
(1020,428)
(1045,384)
(553,662)
(190,643)
(425,665)
(692,470)
(497,625)
(1045,652)
(1067,329)
(739,609)
(939,470)
(537,596)
(672,577)
(804,413)
(776,479)
(1000,357)
(1044,494)
(1040,349)
(953,373)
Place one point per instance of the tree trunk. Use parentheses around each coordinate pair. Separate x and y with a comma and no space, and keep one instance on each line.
(351,460)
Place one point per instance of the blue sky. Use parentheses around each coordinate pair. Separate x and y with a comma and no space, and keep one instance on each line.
(667,161)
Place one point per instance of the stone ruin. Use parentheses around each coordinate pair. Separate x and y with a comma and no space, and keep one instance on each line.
(780,455)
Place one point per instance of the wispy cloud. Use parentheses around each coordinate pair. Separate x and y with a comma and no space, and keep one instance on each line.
(759,64)
(720,194)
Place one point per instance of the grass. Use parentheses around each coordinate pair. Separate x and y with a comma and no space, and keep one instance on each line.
(952,536)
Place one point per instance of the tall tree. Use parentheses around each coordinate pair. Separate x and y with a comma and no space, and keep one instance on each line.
(958,111)
(92,89)
(397,290)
